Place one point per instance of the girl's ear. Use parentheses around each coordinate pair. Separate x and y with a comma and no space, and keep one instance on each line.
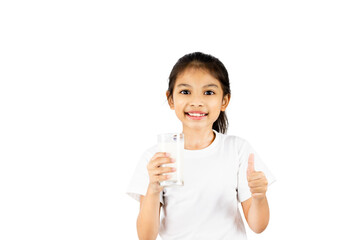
(225,102)
(170,100)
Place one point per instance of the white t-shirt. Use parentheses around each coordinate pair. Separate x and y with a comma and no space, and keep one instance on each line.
(215,181)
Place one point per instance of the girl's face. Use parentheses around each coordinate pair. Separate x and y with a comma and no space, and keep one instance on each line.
(197,99)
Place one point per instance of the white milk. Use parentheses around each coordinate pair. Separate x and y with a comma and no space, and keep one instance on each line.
(176,150)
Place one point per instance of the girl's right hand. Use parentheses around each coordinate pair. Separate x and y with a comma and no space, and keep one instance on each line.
(155,171)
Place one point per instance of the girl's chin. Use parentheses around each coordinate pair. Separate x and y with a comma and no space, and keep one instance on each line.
(196,124)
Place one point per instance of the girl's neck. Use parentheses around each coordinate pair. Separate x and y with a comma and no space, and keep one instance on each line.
(196,139)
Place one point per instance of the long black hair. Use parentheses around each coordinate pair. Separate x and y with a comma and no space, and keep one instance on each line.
(215,67)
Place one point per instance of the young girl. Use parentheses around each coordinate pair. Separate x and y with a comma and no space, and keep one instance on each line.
(219,170)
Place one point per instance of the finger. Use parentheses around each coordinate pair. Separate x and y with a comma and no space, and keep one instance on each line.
(258,183)
(161,178)
(162,170)
(258,190)
(256,176)
(159,154)
(161,161)
(157,162)
(250,168)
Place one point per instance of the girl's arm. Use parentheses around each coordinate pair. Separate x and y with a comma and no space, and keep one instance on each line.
(256,209)
(256,212)
(148,221)
(149,216)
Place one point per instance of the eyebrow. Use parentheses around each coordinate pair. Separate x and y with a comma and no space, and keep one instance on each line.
(187,85)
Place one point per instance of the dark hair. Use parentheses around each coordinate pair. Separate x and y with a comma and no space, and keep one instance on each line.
(215,68)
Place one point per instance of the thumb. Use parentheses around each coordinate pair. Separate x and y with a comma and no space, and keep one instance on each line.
(251,167)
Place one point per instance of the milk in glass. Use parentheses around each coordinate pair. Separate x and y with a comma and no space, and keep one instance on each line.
(173,143)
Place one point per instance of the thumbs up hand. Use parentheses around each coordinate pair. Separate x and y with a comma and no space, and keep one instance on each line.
(256,180)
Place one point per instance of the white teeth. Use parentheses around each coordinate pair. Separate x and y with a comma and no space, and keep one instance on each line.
(196,114)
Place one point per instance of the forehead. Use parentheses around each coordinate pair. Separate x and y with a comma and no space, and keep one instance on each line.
(196,76)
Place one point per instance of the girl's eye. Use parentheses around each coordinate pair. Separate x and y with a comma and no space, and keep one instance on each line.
(185,92)
(210,93)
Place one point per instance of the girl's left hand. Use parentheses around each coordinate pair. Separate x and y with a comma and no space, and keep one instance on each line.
(256,180)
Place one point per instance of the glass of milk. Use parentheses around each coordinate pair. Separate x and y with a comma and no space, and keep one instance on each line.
(173,143)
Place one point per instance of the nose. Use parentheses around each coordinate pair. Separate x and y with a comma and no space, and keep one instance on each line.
(196,101)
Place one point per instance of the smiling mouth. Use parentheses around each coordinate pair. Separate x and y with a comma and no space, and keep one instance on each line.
(196,114)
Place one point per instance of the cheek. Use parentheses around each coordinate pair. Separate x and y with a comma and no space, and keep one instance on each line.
(179,102)
(215,104)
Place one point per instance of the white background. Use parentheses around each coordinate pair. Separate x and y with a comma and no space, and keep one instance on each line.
(82,94)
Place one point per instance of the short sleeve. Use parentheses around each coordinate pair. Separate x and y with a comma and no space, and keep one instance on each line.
(243,190)
(140,180)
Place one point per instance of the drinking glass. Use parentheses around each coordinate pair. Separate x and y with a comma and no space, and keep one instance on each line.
(173,143)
